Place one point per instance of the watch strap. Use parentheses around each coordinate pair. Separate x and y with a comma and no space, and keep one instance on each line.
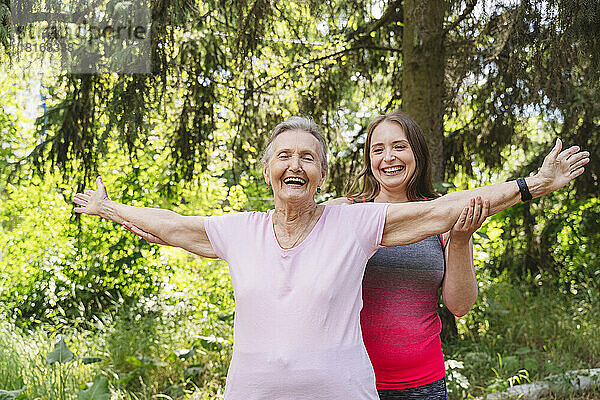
(524,189)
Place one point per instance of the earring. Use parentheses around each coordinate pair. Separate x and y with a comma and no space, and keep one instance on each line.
(318,190)
(268,186)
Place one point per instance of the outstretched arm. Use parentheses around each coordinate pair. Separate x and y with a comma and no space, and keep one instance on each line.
(172,228)
(411,222)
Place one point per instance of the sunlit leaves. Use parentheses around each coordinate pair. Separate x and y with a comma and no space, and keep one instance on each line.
(13,394)
(60,354)
(98,391)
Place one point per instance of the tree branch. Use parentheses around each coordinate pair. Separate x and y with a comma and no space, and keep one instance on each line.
(468,10)
(393,11)
(317,59)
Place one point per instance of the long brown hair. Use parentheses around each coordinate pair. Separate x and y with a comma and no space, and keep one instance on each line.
(365,187)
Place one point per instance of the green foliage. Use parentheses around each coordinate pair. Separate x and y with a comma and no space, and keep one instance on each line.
(516,335)
(61,353)
(12,394)
(546,242)
(224,74)
(61,267)
(10,376)
(5,28)
(98,390)
(24,365)
(185,349)
(69,275)
(174,343)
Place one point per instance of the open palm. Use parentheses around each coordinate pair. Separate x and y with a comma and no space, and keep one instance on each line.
(91,200)
(561,167)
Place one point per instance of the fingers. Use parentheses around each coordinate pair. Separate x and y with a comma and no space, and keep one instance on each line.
(80,201)
(579,164)
(80,198)
(574,159)
(141,233)
(462,219)
(470,212)
(565,154)
(485,212)
(472,216)
(575,173)
(134,229)
(465,218)
(477,210)
(555,150)
(101,187)
(557,147)
(89,199)
(484,209)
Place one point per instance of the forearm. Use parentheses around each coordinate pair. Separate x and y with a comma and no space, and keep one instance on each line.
(152,220)
(411,222)
(500,196)
(459,288)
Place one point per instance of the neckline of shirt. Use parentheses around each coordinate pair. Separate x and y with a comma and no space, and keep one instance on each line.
(307,239)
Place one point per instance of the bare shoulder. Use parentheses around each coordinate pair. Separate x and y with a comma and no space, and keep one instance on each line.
(337,201)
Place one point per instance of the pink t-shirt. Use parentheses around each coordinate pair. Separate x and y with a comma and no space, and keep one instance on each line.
(297,312)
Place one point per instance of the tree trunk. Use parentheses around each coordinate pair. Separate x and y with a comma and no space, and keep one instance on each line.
(423,91)
(423,73)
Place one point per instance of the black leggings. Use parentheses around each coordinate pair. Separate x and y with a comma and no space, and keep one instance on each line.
(432,391)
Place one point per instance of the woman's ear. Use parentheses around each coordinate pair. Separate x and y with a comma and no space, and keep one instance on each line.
(266,174)
(323,177)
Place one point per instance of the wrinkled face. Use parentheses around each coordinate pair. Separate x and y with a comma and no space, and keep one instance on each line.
(392,158)
(294,169)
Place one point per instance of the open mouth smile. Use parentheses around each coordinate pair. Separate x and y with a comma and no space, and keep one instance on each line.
(294,181)
(393,170)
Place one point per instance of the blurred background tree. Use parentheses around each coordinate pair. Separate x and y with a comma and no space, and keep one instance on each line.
(492,83)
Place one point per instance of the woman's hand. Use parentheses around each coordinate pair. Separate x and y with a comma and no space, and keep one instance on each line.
(91,200)
(470,219)
(459,287)
(560,167)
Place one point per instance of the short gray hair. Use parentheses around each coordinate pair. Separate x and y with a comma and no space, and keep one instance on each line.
(298,124)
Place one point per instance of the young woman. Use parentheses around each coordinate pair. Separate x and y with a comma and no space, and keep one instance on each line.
(401,286)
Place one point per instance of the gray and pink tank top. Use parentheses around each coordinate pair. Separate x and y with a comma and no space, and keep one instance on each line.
(399,319)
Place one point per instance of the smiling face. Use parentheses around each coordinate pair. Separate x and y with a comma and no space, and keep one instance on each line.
(294,167)
(392,159)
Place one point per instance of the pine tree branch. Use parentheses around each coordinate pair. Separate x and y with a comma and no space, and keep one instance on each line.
(322,58)
(468,10)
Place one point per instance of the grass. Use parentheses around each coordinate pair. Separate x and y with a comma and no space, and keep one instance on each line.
(587,395)
(168,346)
(178,346)
(23,363)
(516,335)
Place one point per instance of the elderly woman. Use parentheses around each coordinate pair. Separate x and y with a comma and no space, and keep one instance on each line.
(296,270)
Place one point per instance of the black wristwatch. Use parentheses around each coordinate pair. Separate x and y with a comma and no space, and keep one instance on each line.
(525,193)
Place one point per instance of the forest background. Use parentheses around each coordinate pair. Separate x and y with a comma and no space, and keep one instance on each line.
(88,310)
